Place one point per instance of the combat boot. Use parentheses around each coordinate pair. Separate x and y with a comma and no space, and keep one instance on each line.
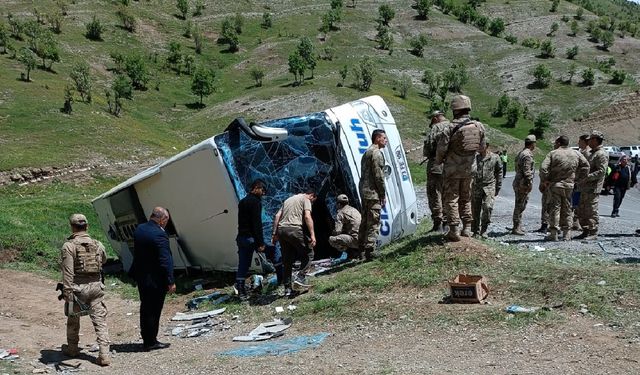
(103,357)
(517,230)
(437,226)
(593,235)
(576,225)
(543,228)
(466,230)
(70,350)
(368,254)
(241,290)
(566,235)
(453,235)
(483,232)
(553,235)
(583,235)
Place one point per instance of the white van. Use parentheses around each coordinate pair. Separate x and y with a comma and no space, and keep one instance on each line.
(201,186)
(631,150)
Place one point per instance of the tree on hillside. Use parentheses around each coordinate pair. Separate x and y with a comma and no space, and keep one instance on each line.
(572,52)
(466,14)
(553,29)
(94,29)
(482,22)
(198,8)
(28,60)
(238,22)
(189,63)
(68,100)
(81,77)
(573,68)
(417,45)
(344,71)
(306,51)
(496,27)
(607,39)
(198,40)
(121,88)
(183,8)
(588,77)
(511,39)
(188,28)
(267,20)
(554,6)
(455,77)
(423,7)
(404,85)
(541,124)
(229,35)
(364,74)
(386,14)
(542,75)
(329,21)
(4,38)
(16,27)
(476,3)
(579,13)
(56,19)
(202,83)
(174,58)
(618,76)
(501,106)
(47,48)
(514,112)
(384,37)
(574,28)
(297,67)
(127,19)
(257,74)
(547,49)
(137,70)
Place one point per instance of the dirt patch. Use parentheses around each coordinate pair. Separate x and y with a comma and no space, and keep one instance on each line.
(8,255)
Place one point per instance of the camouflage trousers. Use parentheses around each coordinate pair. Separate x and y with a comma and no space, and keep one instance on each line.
(343,242)
(457,201)
(587,210)
(482,206)
(434,195)
(91,294)
(558,207)
(544,211)
(522,198)
(370,224)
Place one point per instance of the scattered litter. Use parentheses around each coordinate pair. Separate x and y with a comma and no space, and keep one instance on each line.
(129,314)
(94,348)
(601,283)
(515,309)
(292,307)
(9,354)
(194,330)
(538,248)
(235,317)
(553,305)
(283,347)
(279,309)
(67,367)
(214,298)
(504,243)
(39,371)
(183,316)
(114,284)
(598,325)
(266,331)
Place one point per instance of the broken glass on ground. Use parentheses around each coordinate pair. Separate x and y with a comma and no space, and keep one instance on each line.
(266,331)
(282,347)
(214,298)
(194,330)
(184,316)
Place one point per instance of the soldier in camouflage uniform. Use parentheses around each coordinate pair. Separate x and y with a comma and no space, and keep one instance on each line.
(372,193)
(81,261)
(434,171)
(457,147)
(486,186)
(591,186)
(345,233)
(523,182)
(544,210)
(583,148)
(560,168)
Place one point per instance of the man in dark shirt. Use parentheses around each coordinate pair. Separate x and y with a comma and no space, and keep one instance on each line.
(250,235)
(153,271)
(621,178)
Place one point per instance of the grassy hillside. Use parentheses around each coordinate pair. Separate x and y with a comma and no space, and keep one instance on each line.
(165,118)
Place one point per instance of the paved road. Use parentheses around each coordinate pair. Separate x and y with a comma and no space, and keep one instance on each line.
(616,239)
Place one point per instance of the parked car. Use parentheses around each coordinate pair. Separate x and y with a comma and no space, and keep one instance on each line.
(631,150)
(615,153)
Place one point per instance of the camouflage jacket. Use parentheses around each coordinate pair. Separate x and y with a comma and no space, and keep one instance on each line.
(562,166)
(347,221)
(488,172)
(371,184)
(524,168)
(68,259)
(598,162)
(584,152)
(431,145)
(457,163)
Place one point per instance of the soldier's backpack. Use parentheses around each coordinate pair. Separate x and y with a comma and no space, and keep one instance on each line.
(88,257)
(465,138)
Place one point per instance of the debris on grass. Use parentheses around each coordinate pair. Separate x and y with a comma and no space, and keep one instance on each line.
(283,347)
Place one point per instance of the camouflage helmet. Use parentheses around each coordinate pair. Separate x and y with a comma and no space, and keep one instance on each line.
(460,102)
(342,198)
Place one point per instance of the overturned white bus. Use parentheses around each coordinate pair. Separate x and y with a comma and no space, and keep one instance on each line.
(201,186)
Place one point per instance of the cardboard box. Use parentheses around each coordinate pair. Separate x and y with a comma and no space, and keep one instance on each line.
(468,289)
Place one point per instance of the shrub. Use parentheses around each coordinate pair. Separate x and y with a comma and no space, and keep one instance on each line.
(257,74)
(572,52)
(607,39)
(423,7)
(531,43)
(127,19)
(554,29)
(496,27)
(417,45)
(541,124)
(573,68)
(542,75)
(456,77)
(547,49)
(511,39)
(554,6)
(574,28)
(267,21)
(514,111)
(404,85)
(229,35)
(618,76)
(482,22)
(579,13)
(386,14)
(364,74)
(202,83)
(81,78)
(94,29)
(198,8)
(183,8)
(588,77)
(501,106)
(344,71)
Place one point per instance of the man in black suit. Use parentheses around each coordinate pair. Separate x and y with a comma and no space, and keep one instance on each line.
(153,272)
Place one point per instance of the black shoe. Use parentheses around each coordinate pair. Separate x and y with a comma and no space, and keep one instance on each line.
(157,346)
(288,292)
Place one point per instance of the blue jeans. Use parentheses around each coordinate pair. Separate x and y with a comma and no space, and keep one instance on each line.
(246,246)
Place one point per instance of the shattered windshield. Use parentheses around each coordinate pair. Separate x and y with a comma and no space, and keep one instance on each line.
(311,157)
